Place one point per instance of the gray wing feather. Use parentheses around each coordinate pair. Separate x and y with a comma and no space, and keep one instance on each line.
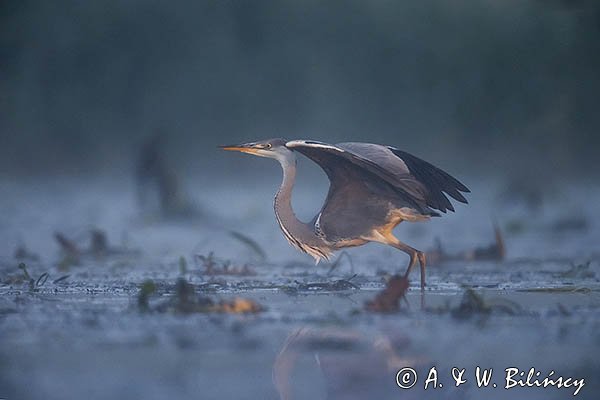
(416,180)
(411,170)
(379,154)
(387,163)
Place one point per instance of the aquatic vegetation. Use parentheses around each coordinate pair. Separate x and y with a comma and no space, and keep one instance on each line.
(214,266)
(98,248)
(185,300)
(473,304)
(495,251)
(146,290)
(470,305)
(25,278)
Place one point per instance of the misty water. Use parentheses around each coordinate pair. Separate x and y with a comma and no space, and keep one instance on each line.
(84,336)
(105,296)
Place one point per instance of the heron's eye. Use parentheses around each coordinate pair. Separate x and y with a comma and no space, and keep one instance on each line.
(268,146)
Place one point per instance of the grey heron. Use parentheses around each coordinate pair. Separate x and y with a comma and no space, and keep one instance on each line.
(372,189)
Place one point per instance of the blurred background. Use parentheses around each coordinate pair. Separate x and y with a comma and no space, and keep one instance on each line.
(121,221)
(483,86)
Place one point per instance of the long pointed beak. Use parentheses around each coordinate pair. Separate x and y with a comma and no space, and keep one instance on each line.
(239,147)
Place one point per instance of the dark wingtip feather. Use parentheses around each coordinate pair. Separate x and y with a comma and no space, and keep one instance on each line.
(460,186)
(437,181)
(458,197)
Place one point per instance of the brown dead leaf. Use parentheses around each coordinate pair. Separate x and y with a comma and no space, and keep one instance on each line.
(388,300)
(239,306)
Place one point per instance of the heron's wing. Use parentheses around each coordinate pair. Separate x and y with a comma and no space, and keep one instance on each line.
(358,199)
(437,182)
(416,181)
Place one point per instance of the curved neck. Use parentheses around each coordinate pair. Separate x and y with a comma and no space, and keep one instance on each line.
(294,229)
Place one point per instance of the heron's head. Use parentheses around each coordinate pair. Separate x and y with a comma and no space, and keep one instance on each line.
(272,148)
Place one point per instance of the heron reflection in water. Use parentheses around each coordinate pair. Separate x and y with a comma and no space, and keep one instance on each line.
(372,189)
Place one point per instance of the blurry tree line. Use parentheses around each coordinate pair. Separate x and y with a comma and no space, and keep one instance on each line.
(502,84)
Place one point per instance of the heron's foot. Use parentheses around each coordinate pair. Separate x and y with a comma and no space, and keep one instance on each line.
(414,256)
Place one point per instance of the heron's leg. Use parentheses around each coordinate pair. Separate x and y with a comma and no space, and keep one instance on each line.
(422,263)
(414,254)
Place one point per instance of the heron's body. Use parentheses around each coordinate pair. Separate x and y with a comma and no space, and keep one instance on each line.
(372,189)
